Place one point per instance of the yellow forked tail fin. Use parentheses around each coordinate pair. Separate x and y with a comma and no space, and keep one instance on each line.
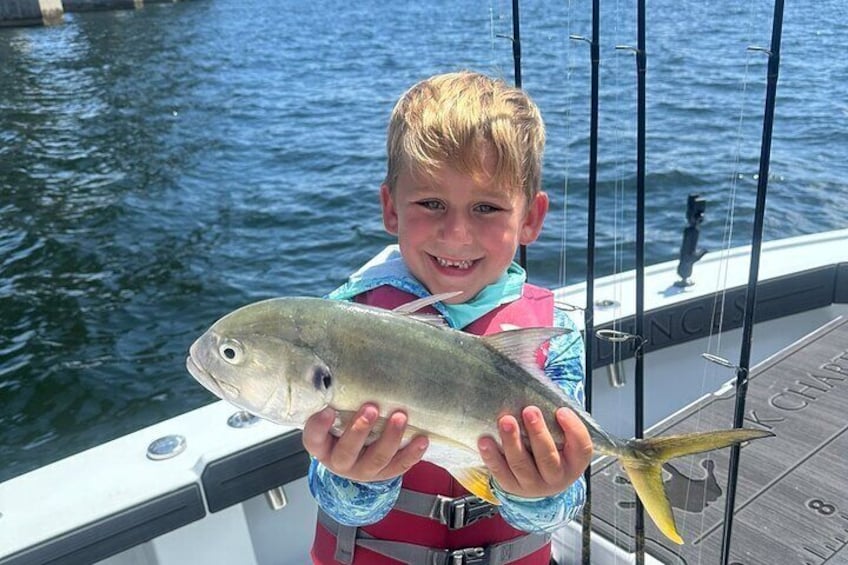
(644,467)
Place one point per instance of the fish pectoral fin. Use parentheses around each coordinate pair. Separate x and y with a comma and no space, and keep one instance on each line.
(411,309)
(476,481)
(416,305)
(646,478)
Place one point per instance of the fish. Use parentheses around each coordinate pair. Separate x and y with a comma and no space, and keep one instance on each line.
(285,359)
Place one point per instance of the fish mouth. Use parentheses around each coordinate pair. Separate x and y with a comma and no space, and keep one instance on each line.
(204,377)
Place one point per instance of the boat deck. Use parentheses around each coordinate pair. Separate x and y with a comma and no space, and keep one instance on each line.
(792,494)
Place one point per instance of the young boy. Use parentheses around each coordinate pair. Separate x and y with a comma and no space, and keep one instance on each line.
(461,194)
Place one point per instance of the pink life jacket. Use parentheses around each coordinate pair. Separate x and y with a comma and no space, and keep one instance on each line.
(534,309)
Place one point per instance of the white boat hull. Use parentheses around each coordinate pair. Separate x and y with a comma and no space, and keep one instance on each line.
(208,504)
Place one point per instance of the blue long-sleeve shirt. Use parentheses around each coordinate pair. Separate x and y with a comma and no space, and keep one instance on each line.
(355,503)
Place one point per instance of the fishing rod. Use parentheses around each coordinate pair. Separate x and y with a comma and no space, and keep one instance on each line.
(589,312)
(516,63)
(639,370)
(742,370)
(639,425)
(516,43)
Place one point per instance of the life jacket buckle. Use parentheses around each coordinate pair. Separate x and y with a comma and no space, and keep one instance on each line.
(456,513)
(469,556)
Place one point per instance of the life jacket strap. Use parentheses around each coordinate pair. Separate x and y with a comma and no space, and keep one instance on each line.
(348,538)
(455,513)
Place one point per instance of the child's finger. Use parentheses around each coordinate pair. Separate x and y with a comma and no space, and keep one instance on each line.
(578,448)
(519,459)
(316,433)
(379,454)
(496,463)
(545,453)
(406,457)
(349,446)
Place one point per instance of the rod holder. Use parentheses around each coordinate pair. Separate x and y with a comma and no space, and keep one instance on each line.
(276,498)
(615,372)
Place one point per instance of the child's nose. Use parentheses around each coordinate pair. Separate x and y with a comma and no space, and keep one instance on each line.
(457,227)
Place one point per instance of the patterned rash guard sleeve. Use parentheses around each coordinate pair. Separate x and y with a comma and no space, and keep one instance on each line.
(349,502)
(564,365)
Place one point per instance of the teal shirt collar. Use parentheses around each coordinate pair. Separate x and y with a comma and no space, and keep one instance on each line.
(388,268)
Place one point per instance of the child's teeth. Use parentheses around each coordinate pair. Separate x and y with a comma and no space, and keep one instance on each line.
(454,264)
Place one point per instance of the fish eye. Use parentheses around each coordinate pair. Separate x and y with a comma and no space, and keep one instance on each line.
(231,351)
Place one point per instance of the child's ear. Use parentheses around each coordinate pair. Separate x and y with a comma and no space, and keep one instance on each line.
(536,212)
(390,217)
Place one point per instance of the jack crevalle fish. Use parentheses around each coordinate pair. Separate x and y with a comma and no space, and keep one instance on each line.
(285,359)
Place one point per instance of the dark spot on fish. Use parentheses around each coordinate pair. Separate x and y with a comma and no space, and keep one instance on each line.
(321,378)
(229,353)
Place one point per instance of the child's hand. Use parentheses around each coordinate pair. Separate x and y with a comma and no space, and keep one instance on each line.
(347,455)
(541,470)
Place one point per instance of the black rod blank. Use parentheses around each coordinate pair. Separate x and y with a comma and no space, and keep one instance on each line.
(753,274)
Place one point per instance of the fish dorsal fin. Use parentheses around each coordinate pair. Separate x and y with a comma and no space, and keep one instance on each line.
(410,308)
(521,345)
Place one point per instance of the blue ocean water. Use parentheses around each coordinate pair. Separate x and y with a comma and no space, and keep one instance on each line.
(160,167)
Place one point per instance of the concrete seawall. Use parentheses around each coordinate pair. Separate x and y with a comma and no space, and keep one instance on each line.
(31,12)
(48,12)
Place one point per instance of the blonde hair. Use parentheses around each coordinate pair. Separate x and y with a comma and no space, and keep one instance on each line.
(455,118)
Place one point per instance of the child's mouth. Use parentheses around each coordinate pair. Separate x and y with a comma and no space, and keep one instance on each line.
(460,265)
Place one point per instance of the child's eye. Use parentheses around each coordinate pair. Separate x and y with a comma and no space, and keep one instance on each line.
(431,204)
(486,208)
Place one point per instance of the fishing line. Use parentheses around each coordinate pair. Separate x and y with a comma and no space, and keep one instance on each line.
(563,239)
(515,39)
(494,64)
(756,245)
(619,488)
(727,239)
(719,304)
(589,310)
(717,313)
(563,266)
(638,332)
(495,16)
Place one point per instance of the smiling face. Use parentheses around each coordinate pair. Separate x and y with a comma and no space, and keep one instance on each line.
(458,231)
(462,187)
